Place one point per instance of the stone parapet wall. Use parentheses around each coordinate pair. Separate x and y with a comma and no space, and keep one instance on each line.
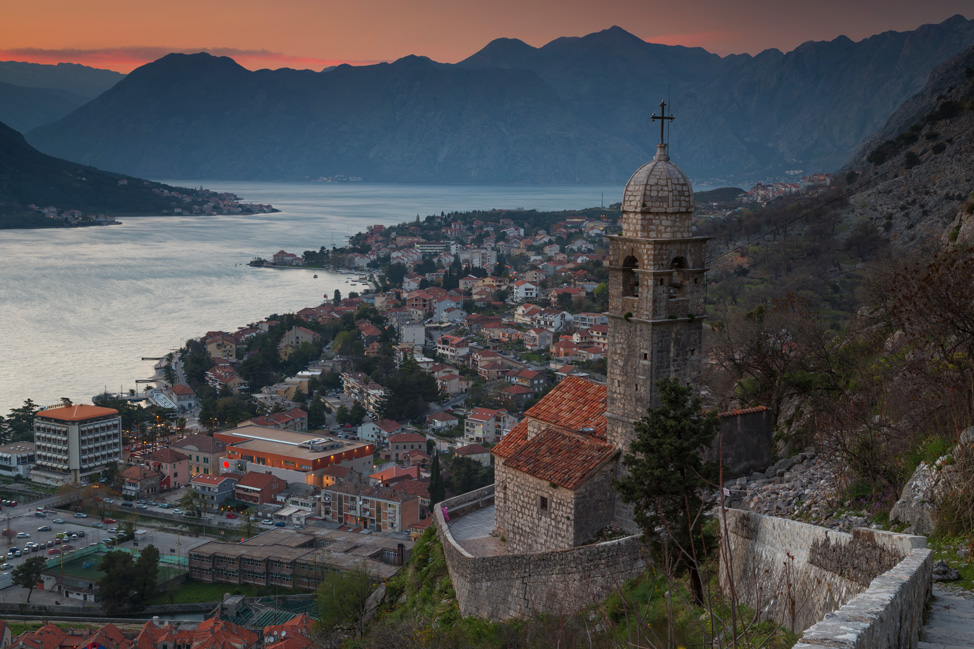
(865,589)
(887,615)
(522,585)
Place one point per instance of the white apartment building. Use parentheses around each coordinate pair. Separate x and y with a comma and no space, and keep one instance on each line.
(74,442)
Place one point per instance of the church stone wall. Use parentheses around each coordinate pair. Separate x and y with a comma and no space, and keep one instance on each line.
(566,518)
(640,354)
(522,585)
(797,573)
(594,506)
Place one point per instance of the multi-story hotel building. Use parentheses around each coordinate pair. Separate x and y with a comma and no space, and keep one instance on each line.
(75,442)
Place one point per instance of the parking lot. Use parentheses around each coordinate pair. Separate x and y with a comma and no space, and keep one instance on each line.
(166,532)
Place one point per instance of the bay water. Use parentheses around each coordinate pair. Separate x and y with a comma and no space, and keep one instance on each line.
(80,307)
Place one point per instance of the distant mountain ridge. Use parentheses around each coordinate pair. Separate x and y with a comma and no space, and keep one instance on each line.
(573,111)
(34,94)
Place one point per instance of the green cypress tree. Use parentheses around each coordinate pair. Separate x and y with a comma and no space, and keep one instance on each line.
(666,475)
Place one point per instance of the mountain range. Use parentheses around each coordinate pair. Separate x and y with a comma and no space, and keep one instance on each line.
(34,94)
(576,110)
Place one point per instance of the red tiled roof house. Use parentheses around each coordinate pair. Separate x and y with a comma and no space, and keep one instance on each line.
(553,472)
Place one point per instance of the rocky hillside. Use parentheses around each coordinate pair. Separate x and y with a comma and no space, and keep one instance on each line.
(28,177)
(918,176)
(574,111)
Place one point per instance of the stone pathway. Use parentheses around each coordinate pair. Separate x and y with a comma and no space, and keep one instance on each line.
(473,530)
(950,622)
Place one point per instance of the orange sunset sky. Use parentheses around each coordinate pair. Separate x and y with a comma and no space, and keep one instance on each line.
(122,35)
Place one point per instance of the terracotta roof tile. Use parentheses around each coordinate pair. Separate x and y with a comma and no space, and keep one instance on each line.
(201,443)
(76,413)
(166,456)
(471,449)
(575,404)
(48,636)
(107,637)
(565,458)
(744,411)
(513,440)
(395,472)
(406,438)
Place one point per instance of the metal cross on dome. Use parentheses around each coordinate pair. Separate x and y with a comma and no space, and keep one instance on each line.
(662,117)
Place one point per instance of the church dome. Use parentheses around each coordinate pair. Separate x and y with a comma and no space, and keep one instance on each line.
(659,186)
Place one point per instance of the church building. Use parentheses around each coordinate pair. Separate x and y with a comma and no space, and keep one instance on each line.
(553,472)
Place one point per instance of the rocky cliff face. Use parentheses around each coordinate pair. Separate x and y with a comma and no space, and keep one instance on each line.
(918,175)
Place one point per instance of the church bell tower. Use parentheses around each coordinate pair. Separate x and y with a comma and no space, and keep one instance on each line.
(656,292)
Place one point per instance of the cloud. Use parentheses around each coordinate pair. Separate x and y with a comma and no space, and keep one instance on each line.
(126,59)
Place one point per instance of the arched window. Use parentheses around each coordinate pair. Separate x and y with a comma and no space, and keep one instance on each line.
(677,277)
(630,279)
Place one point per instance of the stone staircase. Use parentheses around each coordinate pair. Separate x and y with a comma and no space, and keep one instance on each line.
(950,622)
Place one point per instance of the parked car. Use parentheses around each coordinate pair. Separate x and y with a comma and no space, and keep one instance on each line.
(50,544)
(18,553)
(112,530)
(231,515)
(59,521)
(23,535)
(127,504)
(40,514)
(280,524)
(164,505)
(54,551)
(81,534)
(44,528)
(66,547)
(142,506)
(109,521)
(177,511)
(7,566)
(267,521)
(80,515)
(99,525)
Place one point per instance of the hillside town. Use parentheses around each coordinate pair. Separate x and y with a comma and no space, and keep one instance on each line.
(199,202)
(322,437)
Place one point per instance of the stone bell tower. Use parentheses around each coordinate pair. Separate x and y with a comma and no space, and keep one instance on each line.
(656,292)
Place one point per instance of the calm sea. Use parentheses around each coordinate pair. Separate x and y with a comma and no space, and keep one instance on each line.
(80,307)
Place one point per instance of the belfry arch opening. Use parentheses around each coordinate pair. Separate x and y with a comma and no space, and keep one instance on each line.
(630,278)
(678,277)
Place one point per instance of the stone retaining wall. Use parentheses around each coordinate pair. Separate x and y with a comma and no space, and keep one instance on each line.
(865,589)
(522,585)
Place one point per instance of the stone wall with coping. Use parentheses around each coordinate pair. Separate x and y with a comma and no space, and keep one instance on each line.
(522,585)
(865,589)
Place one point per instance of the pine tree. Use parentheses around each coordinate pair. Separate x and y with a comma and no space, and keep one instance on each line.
(28,573)
(666,474)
